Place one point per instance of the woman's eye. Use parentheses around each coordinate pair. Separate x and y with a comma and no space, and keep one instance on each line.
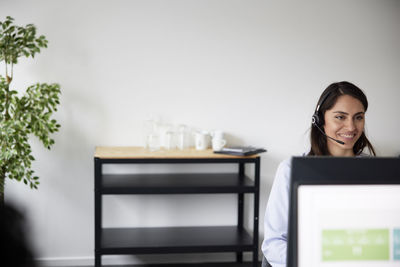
(339,117)
(360,118)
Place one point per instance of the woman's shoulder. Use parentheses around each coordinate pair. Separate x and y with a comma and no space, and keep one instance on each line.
(364,155)
(287,163)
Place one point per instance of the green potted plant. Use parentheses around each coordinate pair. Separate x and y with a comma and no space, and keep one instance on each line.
(23,115)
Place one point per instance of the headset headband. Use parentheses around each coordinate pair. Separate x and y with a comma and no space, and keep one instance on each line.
(322,101)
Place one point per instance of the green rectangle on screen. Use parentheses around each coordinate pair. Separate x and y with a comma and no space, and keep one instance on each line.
(396,244)
(355,244)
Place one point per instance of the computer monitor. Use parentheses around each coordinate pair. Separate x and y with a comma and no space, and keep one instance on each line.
(344,212)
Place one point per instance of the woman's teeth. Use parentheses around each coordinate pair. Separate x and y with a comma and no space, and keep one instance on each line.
(347,135)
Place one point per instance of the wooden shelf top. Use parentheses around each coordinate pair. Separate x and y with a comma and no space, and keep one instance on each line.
(108,152)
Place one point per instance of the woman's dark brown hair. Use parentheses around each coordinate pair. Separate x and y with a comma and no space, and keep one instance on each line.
(328,98)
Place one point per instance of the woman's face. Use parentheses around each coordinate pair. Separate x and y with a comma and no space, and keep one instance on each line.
(345,122)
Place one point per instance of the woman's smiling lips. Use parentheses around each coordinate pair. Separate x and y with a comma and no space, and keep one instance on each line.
(347,136)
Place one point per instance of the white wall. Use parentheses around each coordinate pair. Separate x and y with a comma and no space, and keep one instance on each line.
(254,69)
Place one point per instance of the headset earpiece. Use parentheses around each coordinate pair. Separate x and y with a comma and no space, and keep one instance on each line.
(315,119)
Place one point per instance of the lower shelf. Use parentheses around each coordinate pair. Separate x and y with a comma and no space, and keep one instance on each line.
(175,240)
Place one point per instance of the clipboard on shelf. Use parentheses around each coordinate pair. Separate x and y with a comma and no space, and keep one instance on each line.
(241,150)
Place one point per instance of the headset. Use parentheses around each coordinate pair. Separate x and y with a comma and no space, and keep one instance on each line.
(317,119)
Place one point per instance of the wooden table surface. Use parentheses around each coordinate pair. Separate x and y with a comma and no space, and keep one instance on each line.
(109,152)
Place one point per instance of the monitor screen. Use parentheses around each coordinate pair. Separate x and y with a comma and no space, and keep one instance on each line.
(348,225)
(344,212)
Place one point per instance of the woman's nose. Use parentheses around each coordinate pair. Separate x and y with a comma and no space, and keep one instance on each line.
(350,125)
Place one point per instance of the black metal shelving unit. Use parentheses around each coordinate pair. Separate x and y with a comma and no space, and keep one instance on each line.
(161,240)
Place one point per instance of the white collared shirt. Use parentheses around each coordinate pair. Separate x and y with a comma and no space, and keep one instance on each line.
(276,217)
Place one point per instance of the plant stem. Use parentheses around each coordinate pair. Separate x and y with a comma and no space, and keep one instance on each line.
(7,104)
(5,60)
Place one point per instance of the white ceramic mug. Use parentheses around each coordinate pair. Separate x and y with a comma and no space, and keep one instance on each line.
(201,140)
(218,144)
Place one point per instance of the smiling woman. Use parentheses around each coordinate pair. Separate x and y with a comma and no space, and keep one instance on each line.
(337,130)
(340,113)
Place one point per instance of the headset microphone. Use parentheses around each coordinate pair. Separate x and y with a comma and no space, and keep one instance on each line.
(338,141)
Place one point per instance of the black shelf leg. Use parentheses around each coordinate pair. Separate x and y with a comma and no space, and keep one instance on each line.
(97,259)
(97,211)
(256,211)
(239,255)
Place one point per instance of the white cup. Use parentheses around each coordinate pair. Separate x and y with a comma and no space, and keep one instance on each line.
(218,144)
(201,140)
